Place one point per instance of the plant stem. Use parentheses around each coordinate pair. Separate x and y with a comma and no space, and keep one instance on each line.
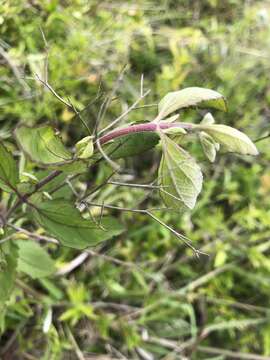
(145,127)
(137,128)
(40,184)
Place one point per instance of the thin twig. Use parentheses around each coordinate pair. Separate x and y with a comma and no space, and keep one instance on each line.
(231,354)
(147,212)
(77,350)
(72,265)
(124,113)
(39,185)
(112,163)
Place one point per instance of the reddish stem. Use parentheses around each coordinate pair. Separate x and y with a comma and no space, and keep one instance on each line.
(151,126)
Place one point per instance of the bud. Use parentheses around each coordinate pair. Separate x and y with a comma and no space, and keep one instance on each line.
(85,148)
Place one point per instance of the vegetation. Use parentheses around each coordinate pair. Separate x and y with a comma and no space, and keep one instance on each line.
(103,252)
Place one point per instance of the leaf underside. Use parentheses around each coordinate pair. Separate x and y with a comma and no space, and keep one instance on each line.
(180,177)
(9,176)
(232,139)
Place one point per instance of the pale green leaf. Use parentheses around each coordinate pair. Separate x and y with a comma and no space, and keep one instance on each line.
(85,148)
(9,175)
(63,221)
(192,96)
(210,147)
(34,260)
(233,140)
(42,144)
(180,177)
(8,265)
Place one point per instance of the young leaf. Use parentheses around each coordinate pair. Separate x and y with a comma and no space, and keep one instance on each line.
(233,140)
(9,175)
(8,265)
(192,96)
(63,221)
(34,260)
(42,144)
(180,177)
(85,148)
(210,147)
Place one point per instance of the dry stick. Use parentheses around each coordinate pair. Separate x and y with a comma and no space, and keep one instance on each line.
(76,347)
(108,100)
(47,55)
(231,354)
(98,187)
(170,344)
(33,235)
(73,264)
(144,186)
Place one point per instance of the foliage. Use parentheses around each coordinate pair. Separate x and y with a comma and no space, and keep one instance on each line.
(139,292)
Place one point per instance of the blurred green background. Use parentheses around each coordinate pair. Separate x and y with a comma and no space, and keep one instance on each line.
(144,295)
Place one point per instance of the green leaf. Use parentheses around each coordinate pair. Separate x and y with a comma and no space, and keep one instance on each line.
(34,260)
(85,148)
(131,145)
(42,144)
(63,221)
(9,175)
(179,176)
(210,147)
(192,96)
(8,265)
(233,140)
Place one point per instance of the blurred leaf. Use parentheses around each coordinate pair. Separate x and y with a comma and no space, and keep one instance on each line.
(65,222)
(233,140)
(34,260)
(192,96)
(179,176)
(42,144)
(8,265)
(9,175)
